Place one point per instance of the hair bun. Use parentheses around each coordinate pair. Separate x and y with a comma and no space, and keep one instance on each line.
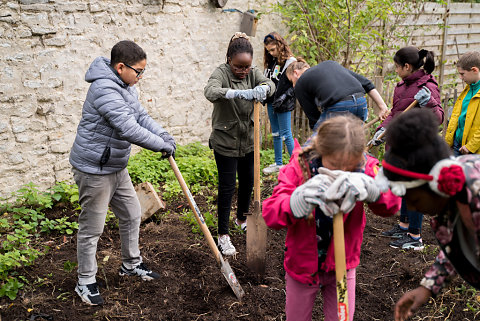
(240,35)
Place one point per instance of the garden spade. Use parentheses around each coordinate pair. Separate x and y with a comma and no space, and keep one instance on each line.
(340,267)
(256,227)
(224,265)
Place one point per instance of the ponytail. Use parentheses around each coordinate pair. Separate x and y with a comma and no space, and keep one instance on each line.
(416,58)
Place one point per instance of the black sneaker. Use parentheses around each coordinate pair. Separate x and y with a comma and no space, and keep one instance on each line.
(396,232)
(89,294)
(140,270)
(407,242)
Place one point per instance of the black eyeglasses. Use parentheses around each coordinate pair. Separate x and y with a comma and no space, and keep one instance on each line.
(241,68)
(139,73)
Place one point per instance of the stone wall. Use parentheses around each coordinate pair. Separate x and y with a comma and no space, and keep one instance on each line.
(47,45)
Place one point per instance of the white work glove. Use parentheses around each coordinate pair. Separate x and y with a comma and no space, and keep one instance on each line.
(423,96)
(311,194)
(246,94)
(260,92)
(351,187)
(375,141)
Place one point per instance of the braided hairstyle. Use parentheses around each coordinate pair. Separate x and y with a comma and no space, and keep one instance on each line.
(282,47)
(342,134)
(416,58)
(239,43)
(415,144)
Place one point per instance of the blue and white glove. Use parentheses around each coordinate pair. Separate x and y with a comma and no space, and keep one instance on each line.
(423,96)
(351,187)
(246,94)
(260,92)
(377,140)
(311,194)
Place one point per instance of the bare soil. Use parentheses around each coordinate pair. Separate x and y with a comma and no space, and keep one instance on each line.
(191,286)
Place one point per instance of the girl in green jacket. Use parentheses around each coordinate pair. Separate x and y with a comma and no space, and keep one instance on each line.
(232,88)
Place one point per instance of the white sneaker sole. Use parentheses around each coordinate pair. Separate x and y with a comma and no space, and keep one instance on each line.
(85,300)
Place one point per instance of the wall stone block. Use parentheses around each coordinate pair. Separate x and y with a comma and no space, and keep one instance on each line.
(15,158)
(32,1)
(62,164)
(58,41)
(71,7)
(60,147)
(37,7)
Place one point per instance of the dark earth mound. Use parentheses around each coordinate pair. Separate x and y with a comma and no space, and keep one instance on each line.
(191,286)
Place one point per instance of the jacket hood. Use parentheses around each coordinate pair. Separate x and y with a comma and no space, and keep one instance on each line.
(100,69)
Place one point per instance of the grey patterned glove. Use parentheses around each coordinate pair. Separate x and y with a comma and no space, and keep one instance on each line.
(423,96)
(311,194)
(260,92)
(377,140)
(351,187)
(246,94)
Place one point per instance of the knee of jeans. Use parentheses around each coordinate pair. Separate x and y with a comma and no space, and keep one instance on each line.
(275,134)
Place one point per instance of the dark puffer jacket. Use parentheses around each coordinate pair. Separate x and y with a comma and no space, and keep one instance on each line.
(112,120)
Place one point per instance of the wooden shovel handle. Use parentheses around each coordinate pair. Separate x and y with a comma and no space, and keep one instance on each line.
(256,151)
(340,267)
(195,210)
(413,104)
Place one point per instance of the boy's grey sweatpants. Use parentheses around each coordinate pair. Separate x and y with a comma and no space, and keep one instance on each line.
(95,193)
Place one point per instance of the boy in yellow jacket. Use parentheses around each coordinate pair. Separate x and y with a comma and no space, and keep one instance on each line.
(463,132)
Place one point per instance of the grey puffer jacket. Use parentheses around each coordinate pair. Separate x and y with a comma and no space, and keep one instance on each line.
(112,120)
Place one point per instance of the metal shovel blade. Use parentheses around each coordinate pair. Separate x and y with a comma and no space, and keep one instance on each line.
(231,278)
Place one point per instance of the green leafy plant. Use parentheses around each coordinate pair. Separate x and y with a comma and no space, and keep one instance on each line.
(69,266)
(195,161)
(21,224)
(351,32)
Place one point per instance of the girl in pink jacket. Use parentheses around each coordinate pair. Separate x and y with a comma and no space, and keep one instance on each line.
(302,185)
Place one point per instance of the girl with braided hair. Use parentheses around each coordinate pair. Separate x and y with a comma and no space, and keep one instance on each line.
(311,189)
(418,166)
(415,67)
(232,88)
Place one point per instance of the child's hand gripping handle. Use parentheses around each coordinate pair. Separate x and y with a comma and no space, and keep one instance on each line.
(413,104)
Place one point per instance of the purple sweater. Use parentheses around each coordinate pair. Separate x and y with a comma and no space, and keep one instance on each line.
(407,89)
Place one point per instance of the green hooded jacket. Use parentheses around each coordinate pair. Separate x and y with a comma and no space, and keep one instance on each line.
(232,119)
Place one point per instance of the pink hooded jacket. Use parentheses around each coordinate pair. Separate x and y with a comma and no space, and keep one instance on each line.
(301,253)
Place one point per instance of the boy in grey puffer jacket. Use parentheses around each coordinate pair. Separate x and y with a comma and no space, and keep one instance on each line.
(112,119)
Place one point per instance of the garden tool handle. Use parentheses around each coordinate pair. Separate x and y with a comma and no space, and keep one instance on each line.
(340,267)
(195,209)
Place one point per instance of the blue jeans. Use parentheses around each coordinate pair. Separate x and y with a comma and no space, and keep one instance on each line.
(281,124)
(355,106)
(413,218)
(456,148)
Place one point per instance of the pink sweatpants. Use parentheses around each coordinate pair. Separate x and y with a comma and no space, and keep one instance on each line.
(301,297)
